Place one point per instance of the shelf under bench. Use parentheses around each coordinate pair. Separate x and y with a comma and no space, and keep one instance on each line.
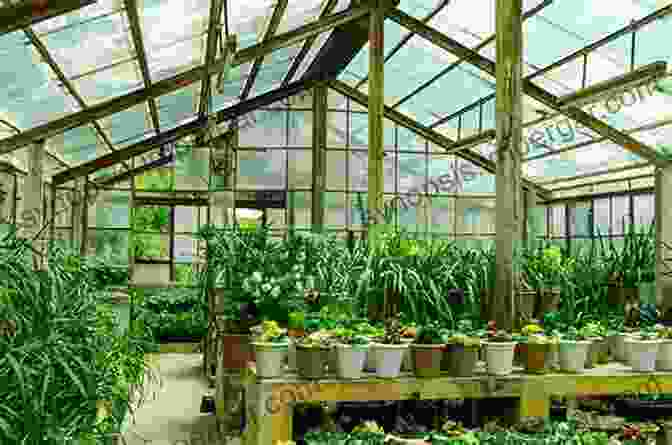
(270,401)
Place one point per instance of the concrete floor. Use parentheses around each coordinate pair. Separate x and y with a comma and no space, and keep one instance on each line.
(172,415)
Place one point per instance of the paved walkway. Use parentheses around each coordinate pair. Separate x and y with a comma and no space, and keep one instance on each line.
(172,416)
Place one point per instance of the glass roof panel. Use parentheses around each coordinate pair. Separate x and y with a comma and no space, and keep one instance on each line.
(100,8)
(648,48)
(127,124)
(109,83)
(173,33)
(417,8)
(176,57)
(249,20)
(29,95)
(298,13)
(467,21)
(444,97)
(77,145)
(401,79)
(274,69)
(588,159)
(105,41)
(179,105)
(607,175)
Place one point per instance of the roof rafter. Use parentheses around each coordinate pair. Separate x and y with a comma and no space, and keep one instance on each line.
(176,82)
(296,63)
(581,52)
(532,90)
(216,7)
(429,134)
(276,17)
(141,54)
(530,13)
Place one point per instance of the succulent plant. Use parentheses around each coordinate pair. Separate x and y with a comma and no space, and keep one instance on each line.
(269,332)
(500,336)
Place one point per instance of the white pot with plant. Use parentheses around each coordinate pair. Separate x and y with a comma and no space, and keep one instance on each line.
(351,349)
(644,350)
(499,348)
(664,358)
(573,350)
(389,352)
(270,344)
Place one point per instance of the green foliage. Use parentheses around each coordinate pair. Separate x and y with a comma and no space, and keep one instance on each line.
(430,334)
(65,355)
(173,313)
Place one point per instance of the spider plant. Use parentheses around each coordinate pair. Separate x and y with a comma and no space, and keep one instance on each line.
(64,356)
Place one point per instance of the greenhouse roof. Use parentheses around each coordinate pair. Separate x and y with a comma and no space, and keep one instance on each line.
(120,73)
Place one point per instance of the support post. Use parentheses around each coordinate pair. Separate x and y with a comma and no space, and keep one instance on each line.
(376,118)
(663,221)
(319,156)
(223,202)
(32,217)
(78,207)
(84,218)
(131,232)
(509,224)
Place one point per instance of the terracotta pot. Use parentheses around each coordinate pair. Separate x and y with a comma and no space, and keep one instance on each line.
(461,360)
(237,351)
(427,359)
(534,357)
(294,332)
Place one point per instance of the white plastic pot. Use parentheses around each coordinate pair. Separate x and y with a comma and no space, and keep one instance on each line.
(573,355)
(617,346)
(643,354)
(350,360)
(407,363)
(499,357)
(553,357)
(664,358)
(291,355)
(369,362)
(387,359)
(270,358)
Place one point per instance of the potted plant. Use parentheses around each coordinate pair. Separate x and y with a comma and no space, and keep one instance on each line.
(427,351)
(462,350)
(644,350)
(373,333)
(535,348)
(664,358)
(499,348)
(237,322)
(598,351)
(312,354)
(388,352)
(270,346)
(573,349)
(545,271)
(408,337)
(296,328)
(351,349)
(553,324)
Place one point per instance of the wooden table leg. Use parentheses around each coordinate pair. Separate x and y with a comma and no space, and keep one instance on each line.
(534,400)
(268,420)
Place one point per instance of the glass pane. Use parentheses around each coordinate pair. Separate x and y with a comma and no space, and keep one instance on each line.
(300,168)
(620,214)
(644,209)
(179,105)
(336,170)
(579,220)
(261,170)
(186,219)
(335,211)
(558,223)
(268,130)
(185,249)
(601,216)
(109,83)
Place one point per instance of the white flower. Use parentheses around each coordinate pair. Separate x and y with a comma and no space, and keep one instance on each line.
(295,268)
(256,276)
(246,285)
(266,287)
(275,293)
(297,276)
(299,286)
